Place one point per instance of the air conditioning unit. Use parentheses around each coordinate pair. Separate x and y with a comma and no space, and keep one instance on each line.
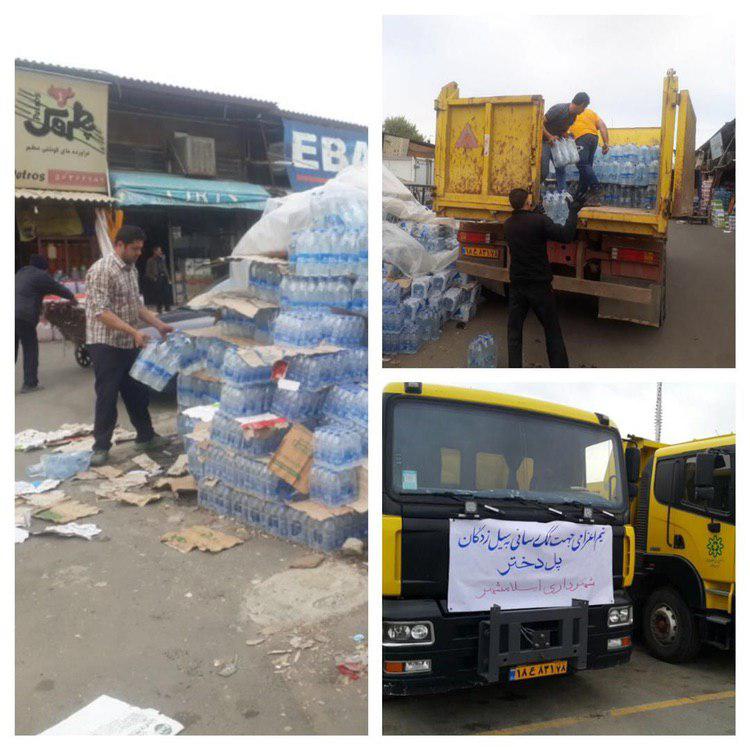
(195,155)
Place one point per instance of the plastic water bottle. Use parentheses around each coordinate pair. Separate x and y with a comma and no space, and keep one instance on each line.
(483,351)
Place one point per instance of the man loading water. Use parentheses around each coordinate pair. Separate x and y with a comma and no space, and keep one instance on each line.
(527,233)
(556,123)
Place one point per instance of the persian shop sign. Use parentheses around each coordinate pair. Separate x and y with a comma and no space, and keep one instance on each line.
(61,132)
(316,152)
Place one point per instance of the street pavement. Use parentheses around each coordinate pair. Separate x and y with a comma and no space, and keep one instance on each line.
(644,697)
(699,330)
(126,616)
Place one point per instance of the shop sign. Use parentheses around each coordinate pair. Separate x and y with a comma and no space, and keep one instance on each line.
(315,153)
(61,132)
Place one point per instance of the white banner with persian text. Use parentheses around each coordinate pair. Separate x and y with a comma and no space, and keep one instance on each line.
(524,564)
(61,132)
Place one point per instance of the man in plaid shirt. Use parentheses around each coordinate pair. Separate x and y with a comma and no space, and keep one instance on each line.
(113,312)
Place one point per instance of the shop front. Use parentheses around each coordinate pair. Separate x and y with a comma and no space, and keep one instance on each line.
(195,222)
(60,169)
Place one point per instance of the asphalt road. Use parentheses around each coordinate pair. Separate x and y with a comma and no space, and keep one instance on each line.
(644,697)
(129,617)
(699,330)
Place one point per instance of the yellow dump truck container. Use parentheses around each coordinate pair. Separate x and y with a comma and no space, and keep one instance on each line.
(487,146)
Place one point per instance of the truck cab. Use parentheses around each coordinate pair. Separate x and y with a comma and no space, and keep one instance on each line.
(457,459)
(684,583)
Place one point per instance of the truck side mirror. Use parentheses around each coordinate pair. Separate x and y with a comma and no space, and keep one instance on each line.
(704,478)
(704,470)
(633,464)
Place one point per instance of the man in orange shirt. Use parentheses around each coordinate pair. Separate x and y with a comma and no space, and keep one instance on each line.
(585,129)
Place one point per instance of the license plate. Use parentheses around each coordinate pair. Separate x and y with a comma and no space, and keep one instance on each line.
(470,251)
(530,671)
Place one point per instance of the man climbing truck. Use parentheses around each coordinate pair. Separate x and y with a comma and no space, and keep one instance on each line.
(485,147)
(506,549)
(684,585)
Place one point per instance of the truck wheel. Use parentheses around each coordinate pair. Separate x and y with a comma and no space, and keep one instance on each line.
(669,628)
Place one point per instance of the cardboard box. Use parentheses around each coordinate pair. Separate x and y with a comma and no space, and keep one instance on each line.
(293,459)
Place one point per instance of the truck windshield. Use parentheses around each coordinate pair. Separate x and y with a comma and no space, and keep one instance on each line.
(445,447)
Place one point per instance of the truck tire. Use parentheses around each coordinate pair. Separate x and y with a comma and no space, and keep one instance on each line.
(669,628)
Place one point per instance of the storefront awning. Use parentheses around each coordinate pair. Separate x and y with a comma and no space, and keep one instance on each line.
(156,189)
(65,196)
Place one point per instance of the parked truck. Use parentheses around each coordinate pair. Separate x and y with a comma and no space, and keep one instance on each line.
(453,454)
(684,519)
(485,147)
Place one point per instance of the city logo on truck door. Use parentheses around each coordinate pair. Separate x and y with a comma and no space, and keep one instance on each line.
(715,546)
(467,140)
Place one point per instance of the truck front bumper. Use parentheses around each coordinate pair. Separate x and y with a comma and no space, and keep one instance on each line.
(481,648)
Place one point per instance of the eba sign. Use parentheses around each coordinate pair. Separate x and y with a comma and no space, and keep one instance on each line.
(318,152)
(61,132)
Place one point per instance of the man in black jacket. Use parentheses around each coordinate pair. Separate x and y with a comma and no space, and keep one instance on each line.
(527,232)
(33,283)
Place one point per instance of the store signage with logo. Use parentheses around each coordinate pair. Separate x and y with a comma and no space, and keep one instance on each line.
(317,152)
(61,132)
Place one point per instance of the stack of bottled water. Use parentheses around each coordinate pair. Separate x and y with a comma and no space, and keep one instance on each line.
(564,151)
(556,206)
(434,238)
(483,351)
(411,320)
(264,278)
(629,175)
(322,299)
(236,325)
(159,361)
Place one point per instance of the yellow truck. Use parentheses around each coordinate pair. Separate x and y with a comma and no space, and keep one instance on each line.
(527,482)
(485,147)
(684,520)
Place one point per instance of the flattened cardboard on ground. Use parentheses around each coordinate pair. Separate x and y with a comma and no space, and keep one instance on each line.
(67,511)
(200,537)
(293,458)
(147,463)
(179,467)
(108,472)
(46,499)
(177,484)
(138,498)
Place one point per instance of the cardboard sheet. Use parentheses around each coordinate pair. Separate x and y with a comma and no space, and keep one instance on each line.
(293,458)
(200,537)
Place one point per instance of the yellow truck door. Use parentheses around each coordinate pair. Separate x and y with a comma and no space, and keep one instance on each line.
(485,147)
(680,526)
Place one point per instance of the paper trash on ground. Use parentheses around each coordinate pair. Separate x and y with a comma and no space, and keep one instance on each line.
(200,537)
(21,535)
(28,440)
(109,716)
(83,530)
(35,488)
(45,499)
(177,484)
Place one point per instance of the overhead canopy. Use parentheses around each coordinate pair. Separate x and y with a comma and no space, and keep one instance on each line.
(67,196)
(157,189)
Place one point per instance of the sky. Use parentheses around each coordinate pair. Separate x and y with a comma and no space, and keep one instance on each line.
(293,58)
(619,61)
(690,410)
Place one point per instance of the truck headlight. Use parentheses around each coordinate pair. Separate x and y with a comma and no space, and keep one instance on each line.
(619,616)
(408,634)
